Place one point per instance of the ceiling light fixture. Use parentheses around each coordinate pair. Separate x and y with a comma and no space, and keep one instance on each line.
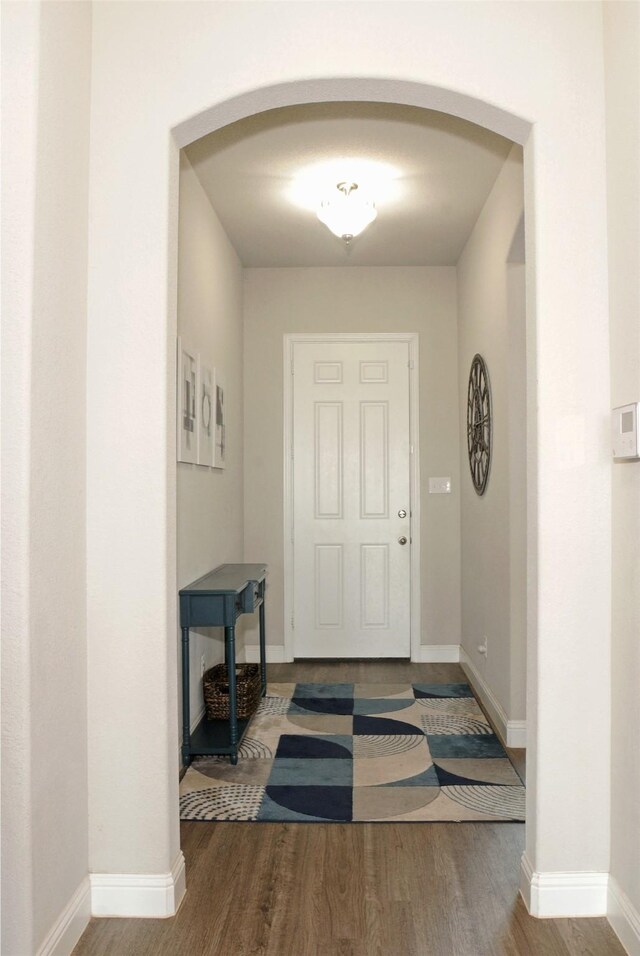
(347,214)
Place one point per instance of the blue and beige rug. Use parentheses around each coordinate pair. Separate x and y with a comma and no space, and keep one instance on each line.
(360,752)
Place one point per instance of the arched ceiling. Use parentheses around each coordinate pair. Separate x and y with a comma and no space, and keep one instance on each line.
(429,174)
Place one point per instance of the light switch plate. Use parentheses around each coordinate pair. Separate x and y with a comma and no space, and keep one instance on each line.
(439,486)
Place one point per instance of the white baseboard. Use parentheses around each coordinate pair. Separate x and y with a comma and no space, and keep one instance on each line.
(437,654)
(512,732)
(563,895)
(140,895)
(275,654)
(517,734)
(624,918)
(70,925)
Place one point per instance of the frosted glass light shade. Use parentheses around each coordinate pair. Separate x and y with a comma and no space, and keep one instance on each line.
(346,214)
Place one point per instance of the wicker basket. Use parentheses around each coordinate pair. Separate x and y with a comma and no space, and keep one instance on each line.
(215,685)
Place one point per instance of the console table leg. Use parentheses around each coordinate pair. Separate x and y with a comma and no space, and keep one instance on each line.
(186,716)
(230,643)
(263,651)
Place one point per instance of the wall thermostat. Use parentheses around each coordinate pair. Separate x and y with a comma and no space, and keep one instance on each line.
(624,429)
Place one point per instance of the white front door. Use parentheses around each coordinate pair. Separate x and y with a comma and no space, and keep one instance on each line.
(351,499)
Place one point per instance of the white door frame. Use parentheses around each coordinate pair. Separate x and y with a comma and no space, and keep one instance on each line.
(412,340)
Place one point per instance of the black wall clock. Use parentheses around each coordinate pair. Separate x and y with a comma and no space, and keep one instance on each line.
(479,424)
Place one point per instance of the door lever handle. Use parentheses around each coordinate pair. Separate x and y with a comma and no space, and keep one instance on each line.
(402,540)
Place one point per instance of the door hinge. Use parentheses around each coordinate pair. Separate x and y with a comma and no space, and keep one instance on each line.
(410,363)
(292,366)
(292,624)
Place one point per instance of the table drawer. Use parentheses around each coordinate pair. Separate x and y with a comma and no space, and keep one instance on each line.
(204,610)
(248,600)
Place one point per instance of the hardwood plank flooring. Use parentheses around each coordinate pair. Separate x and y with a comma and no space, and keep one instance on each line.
(368,889)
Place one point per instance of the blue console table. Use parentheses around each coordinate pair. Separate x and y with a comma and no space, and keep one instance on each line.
(217,599)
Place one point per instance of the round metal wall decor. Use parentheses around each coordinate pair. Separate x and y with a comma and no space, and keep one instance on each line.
(479,424)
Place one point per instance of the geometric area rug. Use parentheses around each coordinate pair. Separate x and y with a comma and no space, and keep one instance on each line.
(335,753)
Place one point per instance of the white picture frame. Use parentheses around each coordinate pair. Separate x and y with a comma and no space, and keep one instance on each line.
(186,403)
(220,421)
(206,409)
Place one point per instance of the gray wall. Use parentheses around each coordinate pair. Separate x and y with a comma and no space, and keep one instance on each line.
(491,322)
(210,500)
(391,299)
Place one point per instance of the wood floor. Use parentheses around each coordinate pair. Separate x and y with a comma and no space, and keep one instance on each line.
(367,889)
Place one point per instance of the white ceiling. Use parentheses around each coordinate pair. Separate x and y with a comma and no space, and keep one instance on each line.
(429,174)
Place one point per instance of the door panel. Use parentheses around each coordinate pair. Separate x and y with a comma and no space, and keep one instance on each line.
(328,456)
(374,585)
(374,464)
(329,589)
(351,477)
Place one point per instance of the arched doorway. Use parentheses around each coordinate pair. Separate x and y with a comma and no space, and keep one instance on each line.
(372,90)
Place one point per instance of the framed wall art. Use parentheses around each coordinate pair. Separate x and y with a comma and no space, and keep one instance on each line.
(220,450)
(187,405)
(206,413)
